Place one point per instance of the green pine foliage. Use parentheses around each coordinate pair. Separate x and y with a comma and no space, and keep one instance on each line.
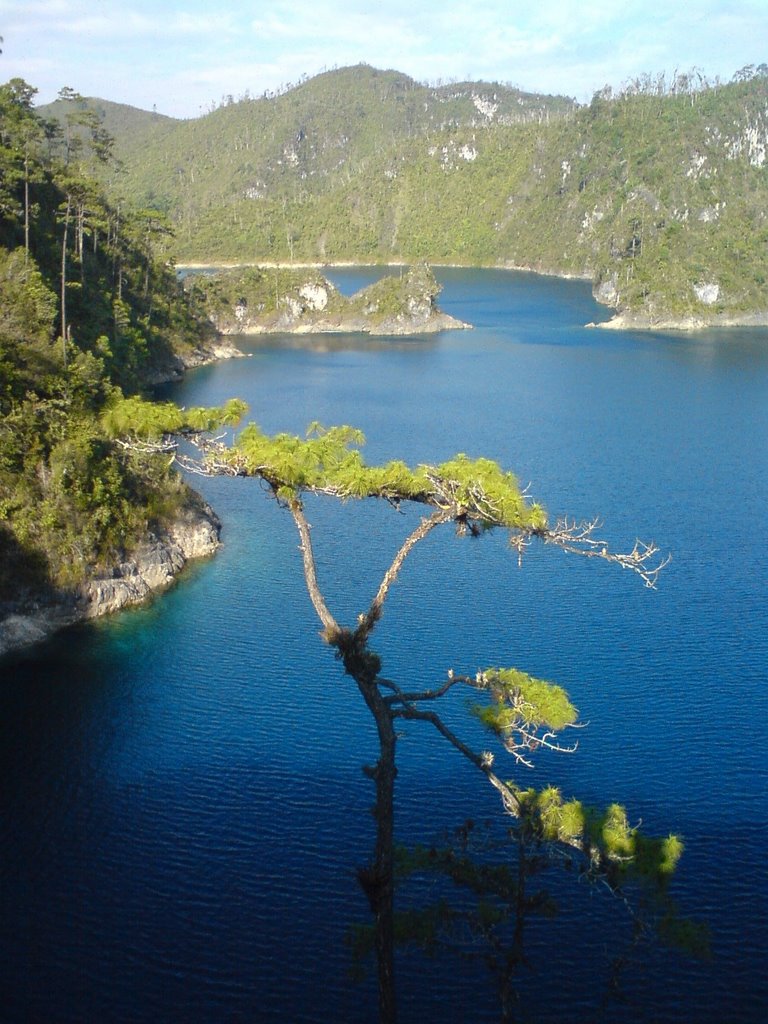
(521,700)
(329,461)
(605,835)
(136,417)
(489,494)
(506,883)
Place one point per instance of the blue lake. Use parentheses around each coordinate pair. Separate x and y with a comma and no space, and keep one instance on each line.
(183,806)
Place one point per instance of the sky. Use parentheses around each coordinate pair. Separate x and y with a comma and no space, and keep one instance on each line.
(184,58)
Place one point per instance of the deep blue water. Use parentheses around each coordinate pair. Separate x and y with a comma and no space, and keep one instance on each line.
(183,806)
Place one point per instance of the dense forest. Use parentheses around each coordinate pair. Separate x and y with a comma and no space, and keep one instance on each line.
(657,192)
(90,310)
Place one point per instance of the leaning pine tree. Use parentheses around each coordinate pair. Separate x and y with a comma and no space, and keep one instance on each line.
(524,714)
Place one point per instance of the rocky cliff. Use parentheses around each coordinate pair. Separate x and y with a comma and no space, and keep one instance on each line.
(151,568)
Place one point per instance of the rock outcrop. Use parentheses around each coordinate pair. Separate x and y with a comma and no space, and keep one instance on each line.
(626,320)
(151,568)
(256,300)
(177,365)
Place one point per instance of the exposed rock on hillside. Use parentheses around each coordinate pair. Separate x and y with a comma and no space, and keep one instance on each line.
(151,568)
(301,301)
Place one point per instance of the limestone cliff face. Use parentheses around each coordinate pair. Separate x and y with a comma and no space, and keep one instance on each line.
(151,568)
(153,565)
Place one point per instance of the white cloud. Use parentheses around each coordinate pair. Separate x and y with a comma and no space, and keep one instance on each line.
(191,52)
(97,20)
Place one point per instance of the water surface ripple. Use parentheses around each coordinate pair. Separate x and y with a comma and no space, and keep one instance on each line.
(183,806)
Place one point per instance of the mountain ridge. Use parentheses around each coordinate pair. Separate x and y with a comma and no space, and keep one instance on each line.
(657,193)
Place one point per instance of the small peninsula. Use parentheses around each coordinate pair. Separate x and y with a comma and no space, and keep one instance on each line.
(290,300)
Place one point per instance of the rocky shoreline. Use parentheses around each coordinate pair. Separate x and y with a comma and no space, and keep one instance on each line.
(304,322)
(216,349)
(150,569)
(621,320)
(626,321)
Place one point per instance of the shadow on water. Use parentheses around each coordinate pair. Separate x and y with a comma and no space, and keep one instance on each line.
(52,700)
(322,344)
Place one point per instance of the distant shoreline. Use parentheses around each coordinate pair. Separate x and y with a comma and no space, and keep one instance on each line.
(619,321)
(347,264)
(687,324)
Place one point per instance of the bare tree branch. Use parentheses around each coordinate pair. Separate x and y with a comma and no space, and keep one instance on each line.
(518,738)
(371,617)
(137,444)
(310,572)
(580,538)
(482,761)
(414,698)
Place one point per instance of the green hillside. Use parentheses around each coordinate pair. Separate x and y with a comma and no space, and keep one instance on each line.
(258,163)
(127,125)
(657,194)
(89,310)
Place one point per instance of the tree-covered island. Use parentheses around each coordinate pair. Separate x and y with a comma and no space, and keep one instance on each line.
(290,300)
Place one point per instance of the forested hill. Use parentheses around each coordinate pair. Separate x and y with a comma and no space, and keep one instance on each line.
(128,127)
(89,310)
(658,193)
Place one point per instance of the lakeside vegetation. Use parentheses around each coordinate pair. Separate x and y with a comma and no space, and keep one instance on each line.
(90,310)
(656,193)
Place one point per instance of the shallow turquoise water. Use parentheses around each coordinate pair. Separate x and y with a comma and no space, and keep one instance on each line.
(184,808)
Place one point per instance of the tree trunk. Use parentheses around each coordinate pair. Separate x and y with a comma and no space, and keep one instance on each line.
(377,880)
(362,664)
(64,279)
(26,203)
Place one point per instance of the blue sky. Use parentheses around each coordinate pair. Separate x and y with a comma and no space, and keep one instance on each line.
(183,57)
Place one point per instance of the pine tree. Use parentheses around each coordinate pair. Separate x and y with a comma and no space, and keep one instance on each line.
(525,714)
